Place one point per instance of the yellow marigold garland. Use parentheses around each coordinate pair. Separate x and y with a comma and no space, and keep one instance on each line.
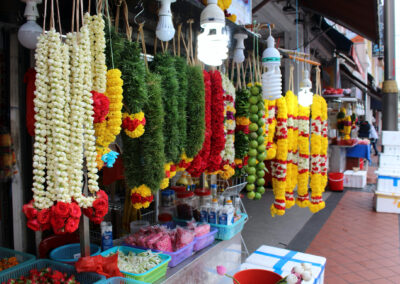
(141,197)
(279,163)
(133,124)
(291,175)
(271,120)
(170,171)
(302,199)
(107,131)
(324,144)
(184,163)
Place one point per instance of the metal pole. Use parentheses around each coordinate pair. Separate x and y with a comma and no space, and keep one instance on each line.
(84,231)
(390,90)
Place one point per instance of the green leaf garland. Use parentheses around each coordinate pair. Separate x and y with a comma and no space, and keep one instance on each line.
(195,110)
(181,72)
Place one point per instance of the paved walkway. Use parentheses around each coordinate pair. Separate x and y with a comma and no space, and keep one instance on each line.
(361,246)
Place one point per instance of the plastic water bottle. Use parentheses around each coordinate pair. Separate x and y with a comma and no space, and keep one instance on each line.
(213,212)
(106,235)
(237,205)
(204,209)
(230,212)
(223,216)
(214,190)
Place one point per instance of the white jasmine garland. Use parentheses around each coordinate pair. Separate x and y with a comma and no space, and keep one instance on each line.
(228,154)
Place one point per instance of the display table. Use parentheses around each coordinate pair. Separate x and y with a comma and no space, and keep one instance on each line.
(201,267)
(359,151)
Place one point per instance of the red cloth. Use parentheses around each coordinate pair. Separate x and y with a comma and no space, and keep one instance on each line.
(29,80)
(107,266)
(115,173)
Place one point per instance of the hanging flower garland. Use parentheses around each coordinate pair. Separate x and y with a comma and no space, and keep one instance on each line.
(228,154)
(279,164)
(316,203)
(199,163)
(302,199)
(133,124)
(181,68)
(271,146)
(291,175)
(184,163)
(170,171)
(141,197)
(324,144)
(217,123)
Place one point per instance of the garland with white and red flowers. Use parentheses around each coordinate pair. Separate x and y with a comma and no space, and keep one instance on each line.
(199,163)
(217,123)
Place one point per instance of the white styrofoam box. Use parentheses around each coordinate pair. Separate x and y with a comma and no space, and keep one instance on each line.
(357,179)
(388,184)
(282,261)
(391,150)
(393,172)
(387,202)
(391,138)
(389,161)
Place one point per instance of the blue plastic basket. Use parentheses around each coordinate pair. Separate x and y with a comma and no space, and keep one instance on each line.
(120,280)
(150,276)
(227,232)
(70,254)
(22,257)
(23,270)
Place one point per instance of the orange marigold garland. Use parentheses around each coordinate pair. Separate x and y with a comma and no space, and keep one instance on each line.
(271,120)
(279,164)
(141,197)
(302,199)
(324,144)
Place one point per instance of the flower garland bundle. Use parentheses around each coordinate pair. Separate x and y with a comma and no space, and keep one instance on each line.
(242,129)
(228,154)
(199,163)
(316,203)
(324,144)
(195,110)
(271,120)
(181,68)
(141,197)
(302,199)
(133,124)
(291,175)
(217,123)
(164,66)
(170,171)
(184,163)
(279,164)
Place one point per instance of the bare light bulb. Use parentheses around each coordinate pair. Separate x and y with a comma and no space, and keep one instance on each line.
(165,30)
(272,79)
(305,95)
(29,32)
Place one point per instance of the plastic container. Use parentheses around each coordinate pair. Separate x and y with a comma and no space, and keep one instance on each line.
(23,258)
(120,280)
(23,270)
(205,240)
(204,196)
(335,181)
(150,276)
(257,276)
(185,205)
(167,198)
(166,214)
(228,232)
(136,225)
(69,254)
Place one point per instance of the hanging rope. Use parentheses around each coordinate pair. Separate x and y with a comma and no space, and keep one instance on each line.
(44,16)
(291,77)
(143,45)
(318,82)
(179,39)
(109,34)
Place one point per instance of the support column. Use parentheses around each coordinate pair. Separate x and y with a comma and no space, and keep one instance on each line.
(390,90)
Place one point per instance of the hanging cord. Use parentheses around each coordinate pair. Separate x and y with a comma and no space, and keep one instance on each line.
(318,90)
(52,15)
(179,39)
(297,25)
(117,13)
(44,16)
(291,78)
(110,36)
(128,28)
(59,18)
(191,56)
(143,45)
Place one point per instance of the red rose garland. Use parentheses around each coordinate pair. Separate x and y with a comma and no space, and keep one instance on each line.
(199,163)
(217,122)
(99,209)
(101,106)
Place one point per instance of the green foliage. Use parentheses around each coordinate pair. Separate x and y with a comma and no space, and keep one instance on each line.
(195,110)
(163,65)
(181,72)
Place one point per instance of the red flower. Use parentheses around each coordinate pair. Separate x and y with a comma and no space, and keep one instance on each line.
(75,210)
(61,209)
(88,211)
(100,206)
(102,194)
(96,220)
(132,124)
(33,224)
(44,216)
(101,106)
(72,225)
(29,211)
(57,222)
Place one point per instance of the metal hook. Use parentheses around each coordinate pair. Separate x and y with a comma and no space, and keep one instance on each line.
(139,5)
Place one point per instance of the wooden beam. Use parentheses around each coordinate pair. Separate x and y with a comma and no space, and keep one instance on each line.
(260,5)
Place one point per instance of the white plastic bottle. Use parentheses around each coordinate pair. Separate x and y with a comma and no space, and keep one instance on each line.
(213,212)
(204,210)
(237,205)
(230,212)
(223,216)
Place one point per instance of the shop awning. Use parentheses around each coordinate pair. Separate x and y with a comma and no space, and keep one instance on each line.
(360,16)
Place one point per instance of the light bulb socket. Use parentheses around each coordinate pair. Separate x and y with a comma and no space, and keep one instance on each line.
(165,9)
(212,14)
(271,56)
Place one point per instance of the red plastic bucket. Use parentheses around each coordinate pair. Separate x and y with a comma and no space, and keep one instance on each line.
(335,181)
(257,276)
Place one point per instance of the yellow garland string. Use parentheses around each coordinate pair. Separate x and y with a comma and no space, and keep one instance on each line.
(139,130)
(302,199)
(271,146)
(324,144)
(144,191)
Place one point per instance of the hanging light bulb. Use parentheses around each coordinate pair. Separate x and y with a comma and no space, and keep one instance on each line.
(29,32)
(238,54)
(272,79)
(212,43)
(305,94)
(165,28)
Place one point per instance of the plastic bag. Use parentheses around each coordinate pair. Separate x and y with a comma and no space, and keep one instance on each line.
(107,266)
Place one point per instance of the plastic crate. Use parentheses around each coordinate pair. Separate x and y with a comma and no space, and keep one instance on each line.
(227,232)
(23,270)
(150,276)
(205,240)
(69,254)
(22,257)
(120,280)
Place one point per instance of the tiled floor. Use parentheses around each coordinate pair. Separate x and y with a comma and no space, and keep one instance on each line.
(361,246)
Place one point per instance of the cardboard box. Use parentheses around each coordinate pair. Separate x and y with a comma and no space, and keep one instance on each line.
(391,150)
(388,184)
(282,261)
(387,202)
(389,161)
(391,138)
(356,179)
